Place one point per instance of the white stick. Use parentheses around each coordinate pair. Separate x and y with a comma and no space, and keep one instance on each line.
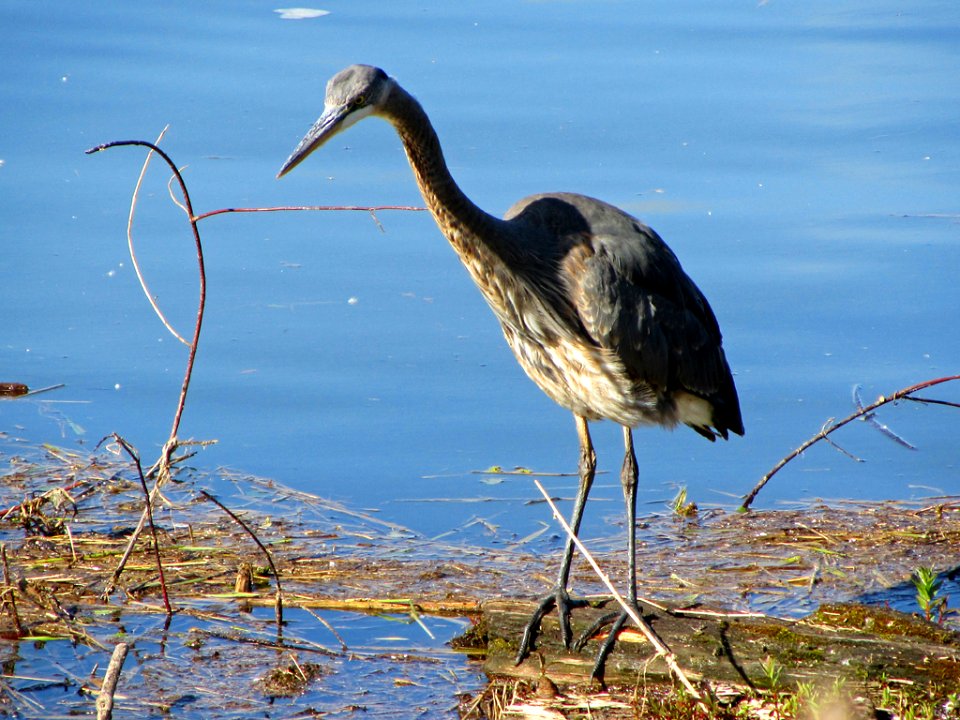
(110,678)
(662,650)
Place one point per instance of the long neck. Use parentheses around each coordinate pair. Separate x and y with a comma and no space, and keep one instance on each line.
(472,232)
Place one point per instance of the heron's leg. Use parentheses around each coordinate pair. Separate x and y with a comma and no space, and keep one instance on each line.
(628,478)
(559,597)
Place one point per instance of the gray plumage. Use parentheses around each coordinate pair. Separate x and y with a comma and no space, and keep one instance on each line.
(594,305)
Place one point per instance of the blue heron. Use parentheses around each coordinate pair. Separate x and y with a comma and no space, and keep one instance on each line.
(595,306)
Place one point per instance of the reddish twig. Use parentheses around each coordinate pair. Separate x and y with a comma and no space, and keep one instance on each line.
(902,394)
(163,464)
(273,568)
(149,513)
(357,208)
(171,442)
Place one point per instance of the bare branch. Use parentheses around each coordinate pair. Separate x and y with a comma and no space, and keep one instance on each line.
(188,206)
(291,208)
(279,601)
(902,394)
(149,512)
(110,679)
(133,253)
(662,650)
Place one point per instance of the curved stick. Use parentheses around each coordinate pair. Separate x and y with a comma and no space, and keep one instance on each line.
(163,464)
(133,253)
(902,394)
(278,603)
(171,442)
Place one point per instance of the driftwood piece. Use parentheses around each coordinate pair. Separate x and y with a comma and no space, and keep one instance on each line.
(854,642)
(110,679)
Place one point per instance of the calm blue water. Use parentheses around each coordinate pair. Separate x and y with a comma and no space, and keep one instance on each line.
(803,160)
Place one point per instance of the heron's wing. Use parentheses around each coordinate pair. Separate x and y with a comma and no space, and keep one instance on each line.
(635,300)
(617,283)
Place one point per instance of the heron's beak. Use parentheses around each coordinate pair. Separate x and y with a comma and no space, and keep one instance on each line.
(328,125)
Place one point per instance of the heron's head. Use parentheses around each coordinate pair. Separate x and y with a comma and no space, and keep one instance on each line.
(352,94)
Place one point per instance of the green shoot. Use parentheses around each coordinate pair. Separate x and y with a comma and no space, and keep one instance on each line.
(928,584)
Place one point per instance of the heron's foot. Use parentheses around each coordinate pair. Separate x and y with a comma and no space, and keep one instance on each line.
(560,599)
(616,621)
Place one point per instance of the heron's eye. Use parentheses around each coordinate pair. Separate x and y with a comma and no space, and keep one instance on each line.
(360,101)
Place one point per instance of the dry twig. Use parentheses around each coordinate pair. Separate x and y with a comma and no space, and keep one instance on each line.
(863,411)
(662,650)
(163,465)
(9,598)
(133,253)
(148,510)
(110,679)
(278,604)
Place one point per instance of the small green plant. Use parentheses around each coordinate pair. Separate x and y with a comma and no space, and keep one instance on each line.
(790,707)
(901,702)
(680,506)
(922,711)
(772,671)
(952,705)
(887,699)
(806,698)
(928,584)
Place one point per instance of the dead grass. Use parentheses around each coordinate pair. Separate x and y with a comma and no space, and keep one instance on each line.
(67,516)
